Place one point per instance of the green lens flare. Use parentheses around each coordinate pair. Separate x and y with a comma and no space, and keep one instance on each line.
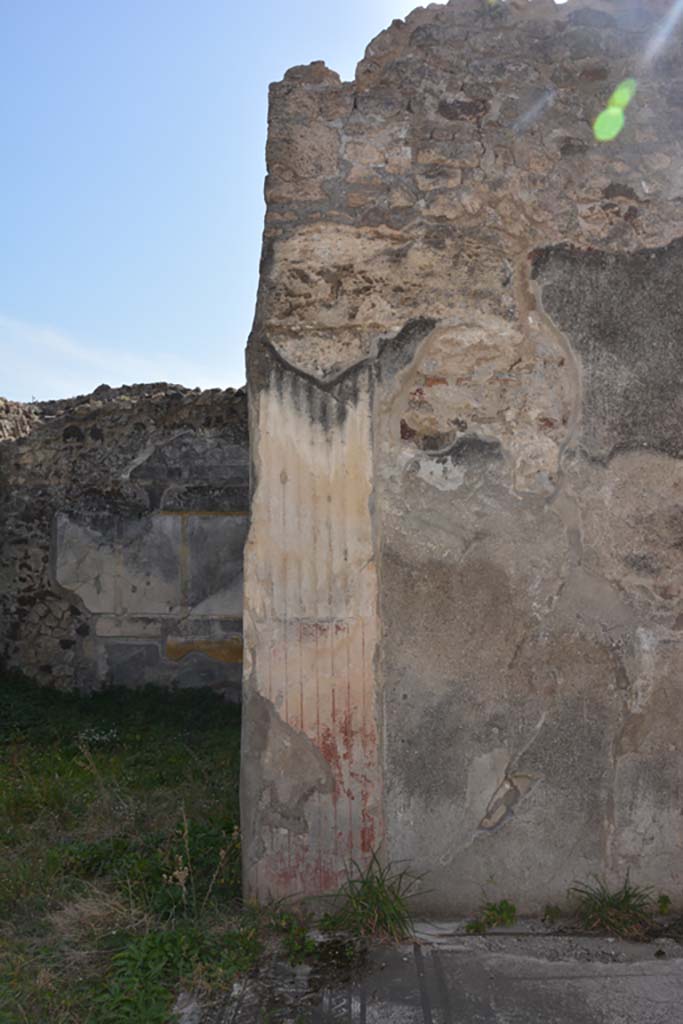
(623,94)
(608,124)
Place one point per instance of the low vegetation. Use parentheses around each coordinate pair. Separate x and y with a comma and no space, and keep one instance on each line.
(627,912)
(552,914)
(493,915)
(374,903)
(119,854)
(120,865)
(120,862)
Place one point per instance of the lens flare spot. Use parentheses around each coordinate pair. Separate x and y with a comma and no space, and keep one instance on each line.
(608,124)
(623,94)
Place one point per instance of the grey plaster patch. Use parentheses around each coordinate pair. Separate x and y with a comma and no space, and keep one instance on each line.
(198,670)
(291,771)
(120,566)
(132,664)
(215,553)
(124,626)
(475,449)
(623,314)
(213,627)
(150,565)
(193,459)
(498,751)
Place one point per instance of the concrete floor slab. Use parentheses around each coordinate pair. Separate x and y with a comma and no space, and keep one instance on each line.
(505,978)
(525,981)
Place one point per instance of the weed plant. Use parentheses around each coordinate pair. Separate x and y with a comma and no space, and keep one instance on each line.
(626,912)
(373,903)
(493,915)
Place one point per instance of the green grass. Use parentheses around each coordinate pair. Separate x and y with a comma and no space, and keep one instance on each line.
(663,904)
(151,966)
(374,903)
(119,853)
(627,912)
(552,914)
(120,862)
(493,915)
(293,930)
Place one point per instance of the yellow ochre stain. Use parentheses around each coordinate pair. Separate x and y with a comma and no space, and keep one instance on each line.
(228,651)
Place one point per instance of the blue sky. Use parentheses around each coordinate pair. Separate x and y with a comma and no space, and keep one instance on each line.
(131,179)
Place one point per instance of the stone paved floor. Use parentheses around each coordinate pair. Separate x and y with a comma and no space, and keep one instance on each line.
(450,978)
(517,984)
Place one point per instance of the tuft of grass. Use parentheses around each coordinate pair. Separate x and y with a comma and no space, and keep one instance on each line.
(626,912)
(663,904)
(493,915)
(502,914)
(552,914)
(373,902)
(293,929)
(297,942)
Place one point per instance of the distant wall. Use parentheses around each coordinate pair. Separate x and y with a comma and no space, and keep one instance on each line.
(122,521)
(15,419)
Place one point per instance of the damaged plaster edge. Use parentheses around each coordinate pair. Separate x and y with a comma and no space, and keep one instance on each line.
(539,258)
(263,729)
(504,803)
(275,380)
(622,451)
(409,336)
(153,447)
(515,786)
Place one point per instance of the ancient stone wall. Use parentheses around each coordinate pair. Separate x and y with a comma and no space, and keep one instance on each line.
(16,419)
(465,563)
(123,516)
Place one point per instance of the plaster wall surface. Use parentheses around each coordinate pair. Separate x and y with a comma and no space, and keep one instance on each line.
(123,516)
(466,404)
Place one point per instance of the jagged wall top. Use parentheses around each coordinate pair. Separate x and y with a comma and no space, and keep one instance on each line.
(456,16)
(465,140)
(16,419)
(156,400)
